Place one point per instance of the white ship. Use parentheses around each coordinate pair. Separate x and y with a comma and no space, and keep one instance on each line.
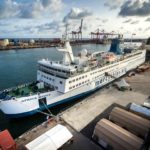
(69,79)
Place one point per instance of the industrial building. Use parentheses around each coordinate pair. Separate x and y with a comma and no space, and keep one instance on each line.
(110,135)
(4,42)
(130,121)
(53,139)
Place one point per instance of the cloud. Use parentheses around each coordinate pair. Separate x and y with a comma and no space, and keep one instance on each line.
(113,4)
(97,18)
(105,20)
(135,22)
(127,21)
(139,29)
(3,23)
(135,8)
(53,5)
(28,9)
(37,29)
(148,28)
(77,13)
(54,25)
(8,8)
(148,19)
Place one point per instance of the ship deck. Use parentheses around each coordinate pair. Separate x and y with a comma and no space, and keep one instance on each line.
(22,91)
(27,90)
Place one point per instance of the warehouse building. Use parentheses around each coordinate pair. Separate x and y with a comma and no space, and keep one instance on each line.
(130,121)
(110,135)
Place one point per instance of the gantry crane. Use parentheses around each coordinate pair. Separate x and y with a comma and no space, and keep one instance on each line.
(97,34)
(78,34)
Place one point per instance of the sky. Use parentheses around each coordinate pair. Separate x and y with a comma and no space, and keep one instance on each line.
(47,18)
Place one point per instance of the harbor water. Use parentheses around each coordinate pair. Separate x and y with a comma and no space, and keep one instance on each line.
(19,67)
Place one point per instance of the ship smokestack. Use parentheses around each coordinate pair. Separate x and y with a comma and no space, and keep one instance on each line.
(115,45)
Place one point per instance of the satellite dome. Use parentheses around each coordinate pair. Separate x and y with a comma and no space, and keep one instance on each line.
(84,52)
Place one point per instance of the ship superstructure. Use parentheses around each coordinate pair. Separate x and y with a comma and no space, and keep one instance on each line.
(71,78)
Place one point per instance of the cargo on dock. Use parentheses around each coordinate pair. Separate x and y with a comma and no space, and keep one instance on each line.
(134,123)
(110,135)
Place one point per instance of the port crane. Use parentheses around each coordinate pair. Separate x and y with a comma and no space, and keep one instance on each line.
(78,34)
(97,34)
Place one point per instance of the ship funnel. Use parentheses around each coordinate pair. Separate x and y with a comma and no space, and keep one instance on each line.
(116,45)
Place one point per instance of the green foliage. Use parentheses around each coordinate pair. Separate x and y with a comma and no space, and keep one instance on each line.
(22,92)
(17,92)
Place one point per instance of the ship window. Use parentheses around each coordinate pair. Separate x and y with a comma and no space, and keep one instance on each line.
(73,86)
(73,80)
(79,83)
(70,88)
(69,81)
(60,82)
(77,79)
(82,77)
(97,83)
(82,82)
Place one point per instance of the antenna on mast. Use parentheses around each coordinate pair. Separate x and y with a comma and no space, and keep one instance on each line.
(66,49)
(66,31)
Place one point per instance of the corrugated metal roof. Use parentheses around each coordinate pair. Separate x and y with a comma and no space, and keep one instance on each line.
(117,137)
(51,140)
(132,122)
(140,109)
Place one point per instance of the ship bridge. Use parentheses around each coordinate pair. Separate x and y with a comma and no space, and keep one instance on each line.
(57,68)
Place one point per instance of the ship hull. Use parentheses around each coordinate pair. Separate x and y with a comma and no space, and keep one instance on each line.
(70,99)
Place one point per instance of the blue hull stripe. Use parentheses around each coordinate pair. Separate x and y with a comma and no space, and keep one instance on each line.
(51,105)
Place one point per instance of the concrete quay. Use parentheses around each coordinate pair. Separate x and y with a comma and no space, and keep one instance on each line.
(81,114)
(81,118)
